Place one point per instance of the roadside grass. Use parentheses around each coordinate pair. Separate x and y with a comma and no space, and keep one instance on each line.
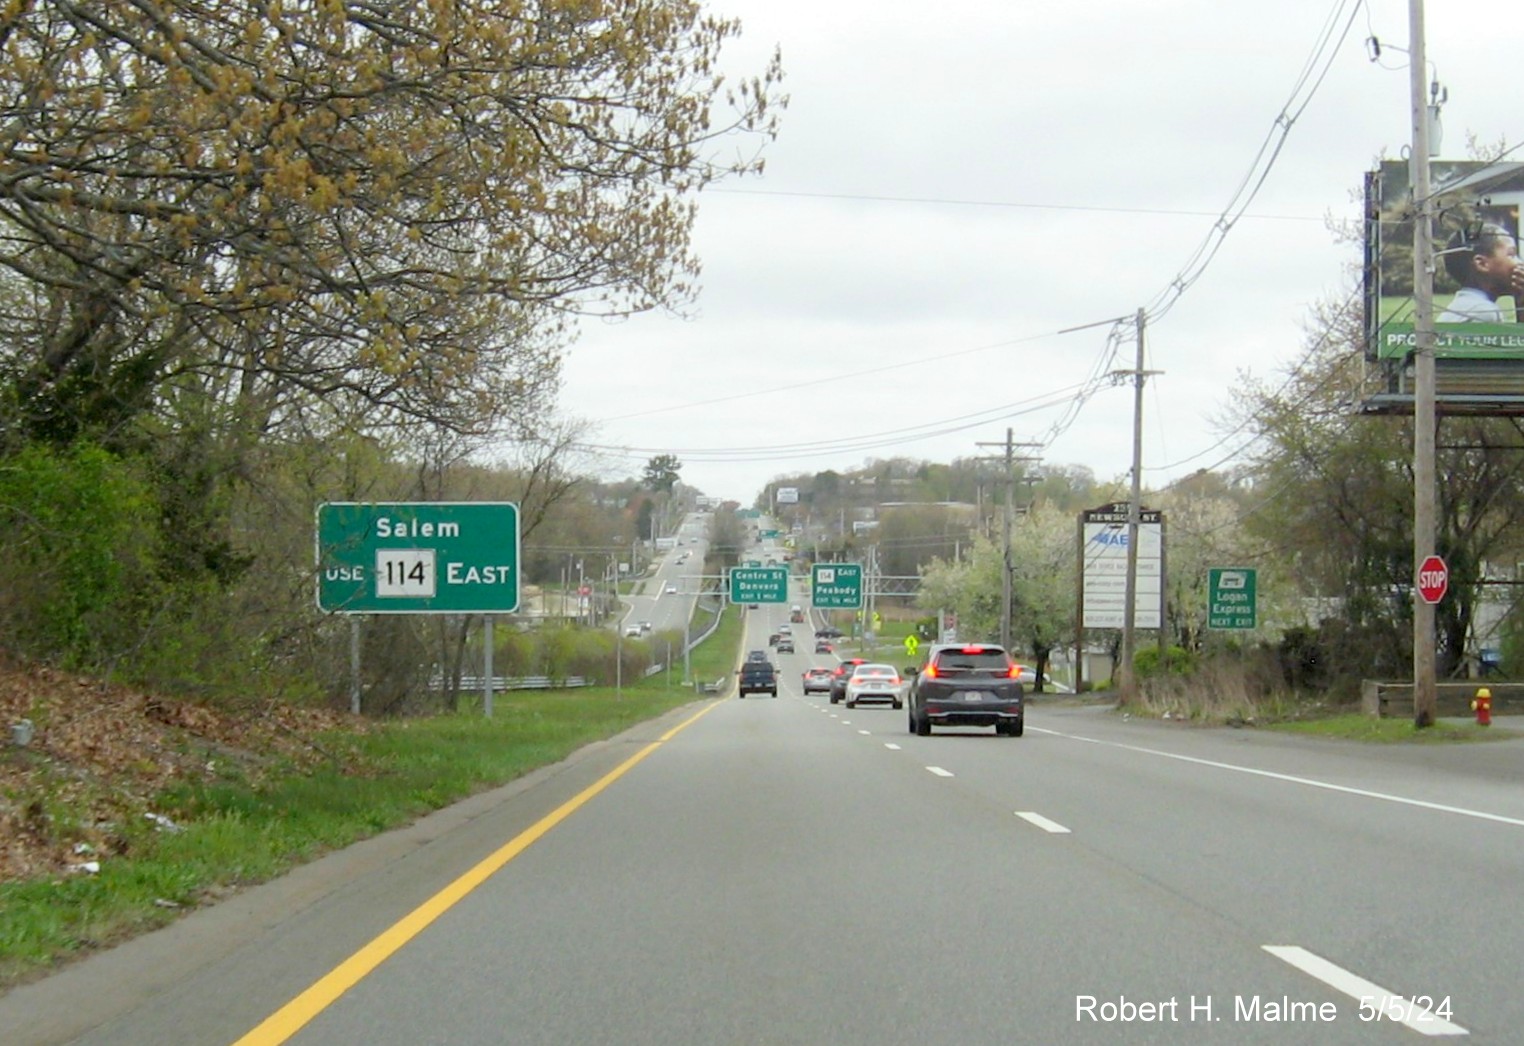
(228,833)
(1357,726)
(1237,693)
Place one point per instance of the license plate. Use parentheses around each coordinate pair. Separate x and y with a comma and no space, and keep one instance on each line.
(976,695)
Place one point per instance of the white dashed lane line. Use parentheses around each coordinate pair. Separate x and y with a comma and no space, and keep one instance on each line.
(939,771)
(1388,1005)
(1042,822)
(891,746)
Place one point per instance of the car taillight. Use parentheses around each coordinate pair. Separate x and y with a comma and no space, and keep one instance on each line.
(1014,673)
(930,671)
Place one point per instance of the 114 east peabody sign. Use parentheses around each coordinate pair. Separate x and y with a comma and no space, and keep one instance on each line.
(433,557)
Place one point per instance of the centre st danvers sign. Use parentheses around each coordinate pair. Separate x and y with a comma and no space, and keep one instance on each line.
(433,557)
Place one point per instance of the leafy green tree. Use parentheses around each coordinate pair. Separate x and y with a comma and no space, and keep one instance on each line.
(1043,584)
(662,473)
(1336,497)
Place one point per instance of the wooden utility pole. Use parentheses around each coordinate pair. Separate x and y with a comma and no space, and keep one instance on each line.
(1010,512)
(1129,690)
(1424,415)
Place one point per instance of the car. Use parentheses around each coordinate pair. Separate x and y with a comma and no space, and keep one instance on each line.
(632,630)
(786,645)
(822,647)
(772,640)
(817,680)
(756,655)
(671,589)
(751,606)
(967,684)
(757,677)
(829,632)
(784,630)
(645,626)
(839,677)
(873,682)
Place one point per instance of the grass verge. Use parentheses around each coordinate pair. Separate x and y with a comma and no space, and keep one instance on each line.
(1356,726)
(231,833)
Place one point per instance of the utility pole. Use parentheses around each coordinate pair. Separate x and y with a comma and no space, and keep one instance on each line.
(1129,691)
(1010,510)
(1424,417)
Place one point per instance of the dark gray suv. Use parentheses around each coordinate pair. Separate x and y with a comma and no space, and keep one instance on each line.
(966,684)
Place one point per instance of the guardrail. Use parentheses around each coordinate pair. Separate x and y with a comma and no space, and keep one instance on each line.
(469,683)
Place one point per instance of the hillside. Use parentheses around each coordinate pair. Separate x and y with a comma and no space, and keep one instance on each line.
(82,789)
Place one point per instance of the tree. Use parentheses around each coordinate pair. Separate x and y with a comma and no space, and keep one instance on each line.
(1336,499)
(662,472)
(297,208)
(1042,584)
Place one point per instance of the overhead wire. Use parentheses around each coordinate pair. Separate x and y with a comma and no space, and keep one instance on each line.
(1314,71)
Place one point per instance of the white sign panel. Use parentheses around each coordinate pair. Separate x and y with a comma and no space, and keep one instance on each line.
(788,495)
(1105,575)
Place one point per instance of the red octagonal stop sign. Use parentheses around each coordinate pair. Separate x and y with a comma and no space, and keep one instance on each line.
(1433,579)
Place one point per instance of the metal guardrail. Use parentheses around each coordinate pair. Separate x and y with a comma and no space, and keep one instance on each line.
(469,683)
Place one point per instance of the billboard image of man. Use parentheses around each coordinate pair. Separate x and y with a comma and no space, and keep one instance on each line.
(1484,260)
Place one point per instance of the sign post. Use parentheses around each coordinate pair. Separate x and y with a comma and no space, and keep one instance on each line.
(1433,579)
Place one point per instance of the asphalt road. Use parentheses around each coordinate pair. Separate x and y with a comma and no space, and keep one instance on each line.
(787,871)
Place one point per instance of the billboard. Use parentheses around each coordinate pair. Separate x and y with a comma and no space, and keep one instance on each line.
(788,495)
(1479,343)
(1103,566)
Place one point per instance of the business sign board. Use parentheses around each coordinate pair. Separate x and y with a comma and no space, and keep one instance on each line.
(435,557)
(836,586)
(759,584)
(1103,563)
(1479,350)
(1231,598)
(788,495)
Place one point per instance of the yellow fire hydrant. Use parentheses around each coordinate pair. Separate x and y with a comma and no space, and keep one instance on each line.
(1481,704)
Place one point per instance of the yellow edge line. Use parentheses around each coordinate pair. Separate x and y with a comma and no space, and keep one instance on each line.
(292,1017)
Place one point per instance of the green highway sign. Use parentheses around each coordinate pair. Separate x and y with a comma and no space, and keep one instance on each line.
(432,557)
(759,584)
(836,586)
(1231,598)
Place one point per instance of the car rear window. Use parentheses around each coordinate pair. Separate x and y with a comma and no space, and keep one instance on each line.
(990,660)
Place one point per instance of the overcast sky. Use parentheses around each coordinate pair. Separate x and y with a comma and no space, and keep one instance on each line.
(955,183)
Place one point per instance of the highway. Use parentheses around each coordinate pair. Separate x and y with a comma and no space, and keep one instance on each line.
(788,871)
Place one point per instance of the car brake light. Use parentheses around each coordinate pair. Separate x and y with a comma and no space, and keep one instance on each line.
(1014,673)
(973,650)
(930,671)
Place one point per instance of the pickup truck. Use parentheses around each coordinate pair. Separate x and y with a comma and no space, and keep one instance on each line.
(757,677)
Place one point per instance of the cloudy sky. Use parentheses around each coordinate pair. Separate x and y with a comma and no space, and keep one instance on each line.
(957,183)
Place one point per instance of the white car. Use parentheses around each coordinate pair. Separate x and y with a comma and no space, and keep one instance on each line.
(671,589)
(874,682)
(632,630)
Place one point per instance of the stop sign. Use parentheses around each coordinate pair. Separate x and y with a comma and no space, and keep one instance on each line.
(1433,579)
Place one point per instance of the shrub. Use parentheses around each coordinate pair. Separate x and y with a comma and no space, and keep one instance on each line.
(80,577)
(1147,663)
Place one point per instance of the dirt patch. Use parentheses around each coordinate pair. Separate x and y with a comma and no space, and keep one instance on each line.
(99,753)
